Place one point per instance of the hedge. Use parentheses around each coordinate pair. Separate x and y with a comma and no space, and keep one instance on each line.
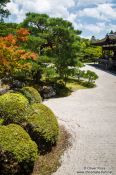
(13,107)
(17,151)
(31,94)
(43,127)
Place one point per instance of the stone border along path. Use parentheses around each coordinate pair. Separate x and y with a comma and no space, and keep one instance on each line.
(90,116)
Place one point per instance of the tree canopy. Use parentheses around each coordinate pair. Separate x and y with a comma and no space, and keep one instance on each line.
(55,38)
(88,52)
(7,28)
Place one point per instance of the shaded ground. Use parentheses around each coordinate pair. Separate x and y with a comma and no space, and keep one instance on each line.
(48,163)
(90,116)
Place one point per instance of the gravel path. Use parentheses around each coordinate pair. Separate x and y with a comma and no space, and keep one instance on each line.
(90,116)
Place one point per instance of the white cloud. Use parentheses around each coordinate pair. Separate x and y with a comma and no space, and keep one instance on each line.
(110,27)
(94,28)
(58,8)
(84,3)
(107,10)
(72,18)
(101,12)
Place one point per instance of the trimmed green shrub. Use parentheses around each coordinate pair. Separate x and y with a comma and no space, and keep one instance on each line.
(43,127)
(13,107)
(17,151)
(31,94)
(91,76)
(61,90)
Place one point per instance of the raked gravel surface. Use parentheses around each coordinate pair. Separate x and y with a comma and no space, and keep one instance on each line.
(90,116)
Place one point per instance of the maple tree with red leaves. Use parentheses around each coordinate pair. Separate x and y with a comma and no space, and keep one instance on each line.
(13,58)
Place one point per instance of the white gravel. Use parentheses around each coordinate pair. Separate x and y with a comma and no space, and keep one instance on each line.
(90,116)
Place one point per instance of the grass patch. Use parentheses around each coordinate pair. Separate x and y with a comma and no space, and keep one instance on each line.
(74,85)
(49,163)
(88,84)
(63,90)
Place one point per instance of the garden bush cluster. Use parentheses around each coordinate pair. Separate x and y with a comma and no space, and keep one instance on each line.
(17,151)
(13,107)
(42,127)
(27,128)
(88,76)
(31,94)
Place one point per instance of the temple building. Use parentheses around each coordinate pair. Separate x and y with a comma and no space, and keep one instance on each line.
(108,44)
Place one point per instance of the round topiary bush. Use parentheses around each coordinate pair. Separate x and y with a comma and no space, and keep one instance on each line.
(17,151)
(31,94)
(42,126)
(13,107)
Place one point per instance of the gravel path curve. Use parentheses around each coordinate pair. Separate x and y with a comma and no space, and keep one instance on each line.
(90,116)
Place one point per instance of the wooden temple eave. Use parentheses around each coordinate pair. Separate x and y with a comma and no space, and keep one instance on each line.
(108,40)
(109,47)
(108,58)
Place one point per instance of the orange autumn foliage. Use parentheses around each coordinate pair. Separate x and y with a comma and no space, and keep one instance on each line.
(12,57)
(22,34)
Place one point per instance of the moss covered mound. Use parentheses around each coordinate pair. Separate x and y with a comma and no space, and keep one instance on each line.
(31,94)
(43,127)
(17,151)
(13,107)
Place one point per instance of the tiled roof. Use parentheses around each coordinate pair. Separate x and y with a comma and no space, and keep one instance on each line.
(110,38)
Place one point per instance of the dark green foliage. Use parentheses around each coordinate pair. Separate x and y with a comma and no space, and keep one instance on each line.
(40,20)
(42,126)
(31,94)
(46,59)
(85,78)
(37,24)
(88,84)
(7,28)
(17,151)
(79,74)
(13,107)
(34,43)
(87,75)
(91,76)
(88,53)
(65,50)
(57,40)
(61,90)
(49,73)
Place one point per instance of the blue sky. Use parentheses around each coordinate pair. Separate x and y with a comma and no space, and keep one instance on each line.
(93,17)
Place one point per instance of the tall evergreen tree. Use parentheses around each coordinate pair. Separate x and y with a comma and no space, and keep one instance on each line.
(55,38)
